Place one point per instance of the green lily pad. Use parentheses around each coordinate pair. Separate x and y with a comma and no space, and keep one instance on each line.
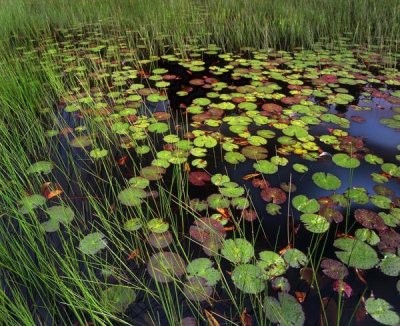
(231,189)
(368,236)
(44,167)
(265,167)
(356,253)
(300,168)
(373,159)
(345,161)
(205,141)
(382,311)
(203,267)
(295,258)
(92,243)
(271,264)
(117,298)
(315,223)
(81,142)
(234,157)
(326,181)
(237,251)
(218,201)
(391,169)
(133,224)
(62,214)
(139,182)
(29,203)
(219,179)
(381,201)
(390,265)
(305,205)
(131,196)
(286,312)
(157,225)
(98,153)
(247,278)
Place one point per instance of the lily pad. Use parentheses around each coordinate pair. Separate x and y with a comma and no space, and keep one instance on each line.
(133,224)
(305,205)
(203,267)
(326,181)
(44,167)
(29,203)
(157,225)
(237,251)
(271,264)
(247,278)
(334,269)
(166,266)
(356,253)
(345,161)
(131,196)
(390,265)
(382,311)
(287,311)
(295,258)
(117,298)
(315,223)
(265,167)
(92,243)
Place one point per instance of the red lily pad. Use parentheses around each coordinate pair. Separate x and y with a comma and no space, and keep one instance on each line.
(334,269)
(199,178)
(276,195)
(369,219)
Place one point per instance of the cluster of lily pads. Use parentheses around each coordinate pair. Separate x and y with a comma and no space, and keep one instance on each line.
(272,111)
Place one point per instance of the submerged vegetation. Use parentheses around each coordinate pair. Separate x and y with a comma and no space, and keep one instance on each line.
(162,167)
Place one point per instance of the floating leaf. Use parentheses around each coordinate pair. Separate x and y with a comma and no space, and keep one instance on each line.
(356,253)
(131,196)
(271,264)
(98,153)
(369,219)
(29,203)
(381,311)
(295,258)
(334,269)
(265,167)
(237,251)
(218,201)
(117,298)
(92,243)
(133,224)
(300,168)
(157,225)
(345,161)
(247,278)
(305,205)
(381,201)
(203,267)
(287,311)
(199,178)
(165,266)
(196,289)
(390,265)
(315,223)
(326,181)
(44,167)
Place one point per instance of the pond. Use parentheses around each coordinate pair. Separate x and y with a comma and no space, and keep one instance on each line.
(204,187)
